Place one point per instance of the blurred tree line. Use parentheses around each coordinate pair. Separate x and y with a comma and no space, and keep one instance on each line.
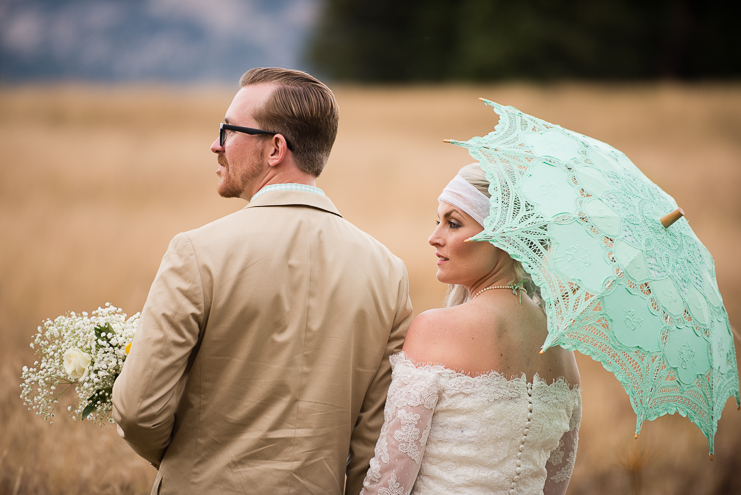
(481,40)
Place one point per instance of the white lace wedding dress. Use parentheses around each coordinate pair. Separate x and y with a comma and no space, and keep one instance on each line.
(449,433)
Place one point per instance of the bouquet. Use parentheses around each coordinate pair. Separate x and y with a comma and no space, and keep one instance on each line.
(87,351)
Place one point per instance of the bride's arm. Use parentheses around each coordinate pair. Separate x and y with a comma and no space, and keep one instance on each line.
(411,402)
(561,463)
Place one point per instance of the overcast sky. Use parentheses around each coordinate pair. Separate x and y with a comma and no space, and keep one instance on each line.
(132,40)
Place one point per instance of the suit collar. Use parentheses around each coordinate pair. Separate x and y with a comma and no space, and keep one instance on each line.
(294,198)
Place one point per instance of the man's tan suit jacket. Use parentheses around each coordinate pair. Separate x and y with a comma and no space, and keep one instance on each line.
(260,364)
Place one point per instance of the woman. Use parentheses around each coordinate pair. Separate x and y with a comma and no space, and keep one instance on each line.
(473,406)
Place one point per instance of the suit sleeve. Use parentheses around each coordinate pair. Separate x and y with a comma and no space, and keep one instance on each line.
(370,419)
(146,394)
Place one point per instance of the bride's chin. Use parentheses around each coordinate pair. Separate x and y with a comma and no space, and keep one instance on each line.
(442,278)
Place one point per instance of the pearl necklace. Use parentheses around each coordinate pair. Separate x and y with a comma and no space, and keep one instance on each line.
(490,288)
(514,287)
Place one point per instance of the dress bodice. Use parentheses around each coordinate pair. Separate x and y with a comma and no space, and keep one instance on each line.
(447,432)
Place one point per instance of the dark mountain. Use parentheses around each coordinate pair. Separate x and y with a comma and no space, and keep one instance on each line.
(170,40)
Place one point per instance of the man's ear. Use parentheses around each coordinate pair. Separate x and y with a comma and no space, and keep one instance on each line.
(277,150)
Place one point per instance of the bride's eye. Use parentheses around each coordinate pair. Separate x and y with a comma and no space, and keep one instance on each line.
(453,225)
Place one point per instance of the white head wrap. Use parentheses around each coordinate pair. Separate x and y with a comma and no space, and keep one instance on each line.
(461,194)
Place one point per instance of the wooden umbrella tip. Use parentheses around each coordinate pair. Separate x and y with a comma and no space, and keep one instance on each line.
(467,240)
(636,437)
(482,99)
(446,141)
(712,457)
(541,351)
(672,217)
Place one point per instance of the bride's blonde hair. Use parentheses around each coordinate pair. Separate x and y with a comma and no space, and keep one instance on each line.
(458,294)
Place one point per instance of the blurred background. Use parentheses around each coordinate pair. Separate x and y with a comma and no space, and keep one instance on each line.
(108,109)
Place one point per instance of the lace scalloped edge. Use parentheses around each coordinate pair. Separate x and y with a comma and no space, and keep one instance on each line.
(671,409)
(499,128)
(492,374)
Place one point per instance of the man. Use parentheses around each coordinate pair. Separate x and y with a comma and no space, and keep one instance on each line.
(260,364)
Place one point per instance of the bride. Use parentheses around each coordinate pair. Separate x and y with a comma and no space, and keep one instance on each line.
(473,406)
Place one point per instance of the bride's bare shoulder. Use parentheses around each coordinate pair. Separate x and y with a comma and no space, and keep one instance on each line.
(434,334)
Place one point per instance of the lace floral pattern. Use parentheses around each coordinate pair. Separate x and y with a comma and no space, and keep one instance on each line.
(446,432)
(564,474)
(394,488)
(562,459)
(411,400)
(408,435)
(557,455)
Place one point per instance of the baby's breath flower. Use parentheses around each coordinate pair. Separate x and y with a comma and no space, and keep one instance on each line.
(66,335)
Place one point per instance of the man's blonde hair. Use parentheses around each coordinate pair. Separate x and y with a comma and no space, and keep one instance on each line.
(302,109)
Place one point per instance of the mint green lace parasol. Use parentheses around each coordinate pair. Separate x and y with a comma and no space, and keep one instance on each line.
(618,286)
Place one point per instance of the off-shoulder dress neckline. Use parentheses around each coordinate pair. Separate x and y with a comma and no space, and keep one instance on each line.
(486,376)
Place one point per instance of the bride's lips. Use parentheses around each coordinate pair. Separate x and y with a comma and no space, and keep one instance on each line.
(441,259)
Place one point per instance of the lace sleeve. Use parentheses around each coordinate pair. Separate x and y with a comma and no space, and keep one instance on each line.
(411,401)
(561,463)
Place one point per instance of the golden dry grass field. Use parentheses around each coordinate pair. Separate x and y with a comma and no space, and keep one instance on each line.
(94,181)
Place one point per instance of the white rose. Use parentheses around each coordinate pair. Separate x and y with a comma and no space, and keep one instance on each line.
(76,362)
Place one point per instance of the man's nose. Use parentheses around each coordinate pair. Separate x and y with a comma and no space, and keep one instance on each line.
(216,147)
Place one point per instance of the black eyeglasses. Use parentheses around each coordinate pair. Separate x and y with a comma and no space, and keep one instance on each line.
(247,130)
